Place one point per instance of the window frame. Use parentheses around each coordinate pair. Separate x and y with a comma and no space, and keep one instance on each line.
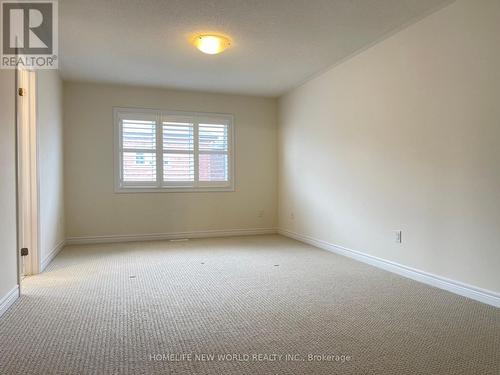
(171,187)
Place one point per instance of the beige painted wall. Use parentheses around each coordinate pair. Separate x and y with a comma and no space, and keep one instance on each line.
(93,209)
(50,162)
(404,136)
(8,224)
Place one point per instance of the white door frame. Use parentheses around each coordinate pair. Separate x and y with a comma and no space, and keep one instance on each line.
(28,183)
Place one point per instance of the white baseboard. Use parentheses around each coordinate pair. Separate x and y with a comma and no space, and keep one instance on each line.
(169,236)
(46,261)
(9,299)
(482,295)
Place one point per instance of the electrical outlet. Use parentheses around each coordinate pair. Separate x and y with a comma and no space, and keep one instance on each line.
(292,216)
(260,213)
(398,236)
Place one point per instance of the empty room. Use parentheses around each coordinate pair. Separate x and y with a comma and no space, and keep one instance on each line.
(250,187)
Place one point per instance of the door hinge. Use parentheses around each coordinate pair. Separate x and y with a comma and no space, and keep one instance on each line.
(24,251)
(21,91)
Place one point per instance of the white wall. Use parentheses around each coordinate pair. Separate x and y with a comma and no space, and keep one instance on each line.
(50,164)
(8,224)
(93,209)
(404,136)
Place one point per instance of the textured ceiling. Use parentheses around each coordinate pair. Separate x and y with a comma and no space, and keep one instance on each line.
(277,43)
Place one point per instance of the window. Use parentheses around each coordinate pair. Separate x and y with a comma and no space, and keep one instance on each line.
(172,151)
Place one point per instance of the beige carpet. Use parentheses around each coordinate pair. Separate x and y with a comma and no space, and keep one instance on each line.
(259,305)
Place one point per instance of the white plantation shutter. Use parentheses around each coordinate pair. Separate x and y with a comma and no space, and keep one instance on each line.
(178,152)
(213,152)
(173,151)
(138,150)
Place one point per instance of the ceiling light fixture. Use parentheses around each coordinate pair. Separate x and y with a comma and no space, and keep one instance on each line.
(211,44)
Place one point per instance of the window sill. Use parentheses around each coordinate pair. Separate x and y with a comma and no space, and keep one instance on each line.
(175,189)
